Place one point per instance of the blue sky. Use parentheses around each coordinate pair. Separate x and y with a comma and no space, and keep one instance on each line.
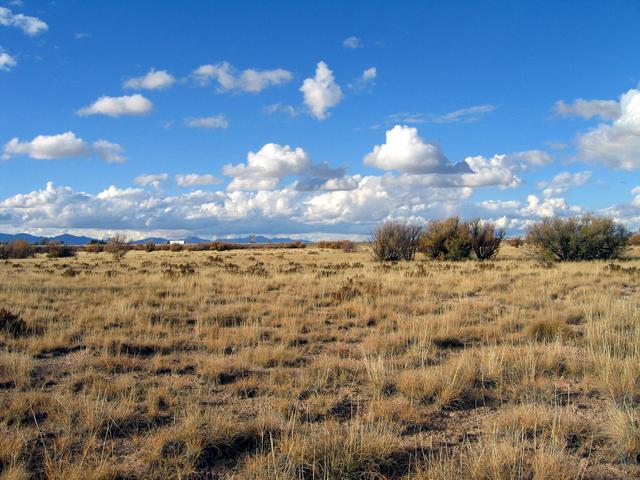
(317,119)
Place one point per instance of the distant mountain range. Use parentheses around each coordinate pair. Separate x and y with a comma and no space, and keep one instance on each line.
(66,238)
(69,239)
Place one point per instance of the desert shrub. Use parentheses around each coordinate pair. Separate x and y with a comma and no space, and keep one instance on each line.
(344,245)
(577,238)
(17,249)
(514,241)
(348,246)
(393,241)
(117,246)
(94,248)
(485,238)
(197,247)
(59,250)
(149,247)
(219,246)
(446,240)
(175,247)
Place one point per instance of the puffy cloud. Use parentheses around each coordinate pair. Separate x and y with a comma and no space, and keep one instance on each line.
(30,25)
(217,121)
(464,115)
(604,109)
(536,158)
(352,43)
(117,106)
(340,183)
(406,152)
(109,152)
(151,180)
(562,182)
(265,169)
(548,207)
(495,171)
(153,80)
(616,144)
(364,81)
(64,145)
(321,92)
(250,80)
(354,211)
(499,205)
(627,213)
(194,179)
(7,62)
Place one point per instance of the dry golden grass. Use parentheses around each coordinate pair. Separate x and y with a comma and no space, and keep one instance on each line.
(318,364)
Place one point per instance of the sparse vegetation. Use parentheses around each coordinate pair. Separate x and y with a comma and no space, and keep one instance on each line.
(117,246)
(393,241)
(257,363)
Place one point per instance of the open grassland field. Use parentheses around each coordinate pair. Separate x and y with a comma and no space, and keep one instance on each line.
(311,363)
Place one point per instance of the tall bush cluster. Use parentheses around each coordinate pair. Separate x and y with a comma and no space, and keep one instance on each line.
(393,241)
(17,249)
(452,239)
(577,238)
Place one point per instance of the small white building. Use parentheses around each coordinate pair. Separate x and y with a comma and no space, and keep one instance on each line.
(176,242)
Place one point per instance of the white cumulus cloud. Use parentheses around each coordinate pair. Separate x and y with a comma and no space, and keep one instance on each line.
(7,62)
(562,182)
(64,145)
(250,80)
(265,168)
(406,152)
(30,25)
(364,81)
(321,92)
(153,80)
(615,144)
(194,179)
(587,109)
(118,106)
(153,180)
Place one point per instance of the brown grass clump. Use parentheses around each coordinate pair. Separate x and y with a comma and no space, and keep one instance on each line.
(288,363)
(623,431)
(12,324)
